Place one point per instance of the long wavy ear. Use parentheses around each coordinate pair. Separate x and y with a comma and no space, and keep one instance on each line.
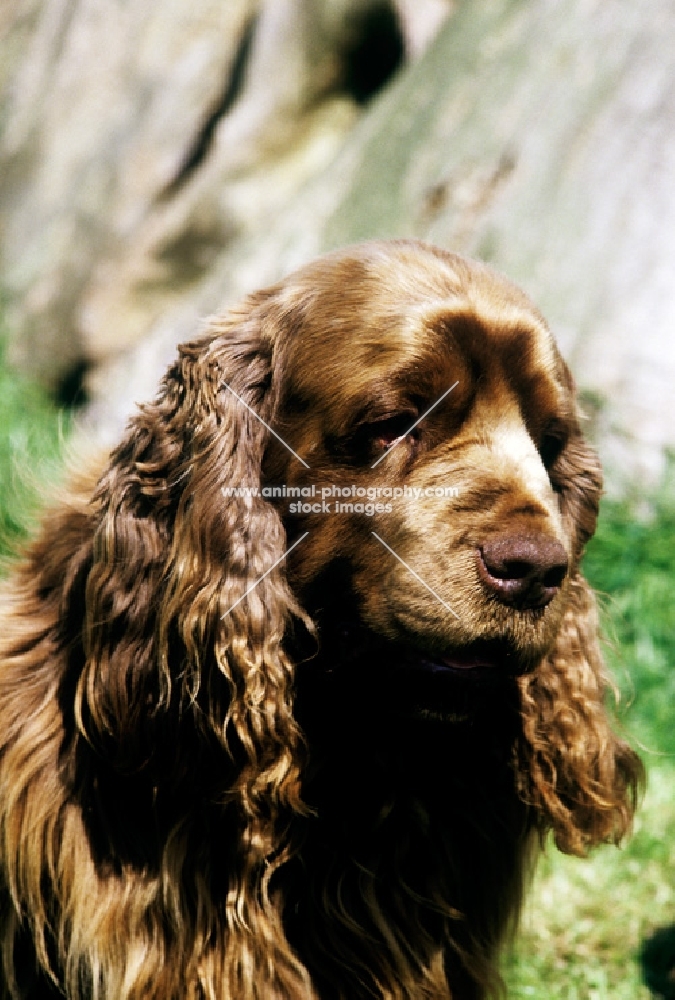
(582,780)
(185,617)
(147,699)
(180,608)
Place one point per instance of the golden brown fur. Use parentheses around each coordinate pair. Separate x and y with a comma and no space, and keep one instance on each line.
(333,790)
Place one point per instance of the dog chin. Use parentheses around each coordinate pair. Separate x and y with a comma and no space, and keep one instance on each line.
(404,680)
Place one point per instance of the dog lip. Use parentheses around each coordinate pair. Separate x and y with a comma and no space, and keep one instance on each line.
(481,658)
(476,658)
(455,663)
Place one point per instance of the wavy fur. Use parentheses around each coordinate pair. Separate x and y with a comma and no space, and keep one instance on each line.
(224,780)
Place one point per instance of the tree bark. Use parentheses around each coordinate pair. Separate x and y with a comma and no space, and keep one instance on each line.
(537,136)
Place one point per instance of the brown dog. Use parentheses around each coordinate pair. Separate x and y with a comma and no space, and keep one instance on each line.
(291,691)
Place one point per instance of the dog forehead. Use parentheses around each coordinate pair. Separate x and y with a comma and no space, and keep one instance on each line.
(346,351)
(360,313)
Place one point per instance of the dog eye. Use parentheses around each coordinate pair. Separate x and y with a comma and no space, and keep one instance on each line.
(550,447)
(372,438)
(381,434)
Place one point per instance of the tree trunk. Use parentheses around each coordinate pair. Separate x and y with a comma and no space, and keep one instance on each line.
(537,136)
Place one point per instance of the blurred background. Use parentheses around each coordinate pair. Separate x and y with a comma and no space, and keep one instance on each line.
(159,161)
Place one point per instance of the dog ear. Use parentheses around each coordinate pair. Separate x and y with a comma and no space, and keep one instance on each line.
(582,779)
(143,651)
(578,474)
(183,610)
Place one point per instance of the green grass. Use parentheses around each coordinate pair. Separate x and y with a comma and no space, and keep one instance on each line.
(631,560)
(585,920)
(32,432)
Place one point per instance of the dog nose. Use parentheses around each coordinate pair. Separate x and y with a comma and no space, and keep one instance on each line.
(523,570)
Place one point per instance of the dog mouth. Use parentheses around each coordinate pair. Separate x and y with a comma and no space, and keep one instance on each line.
(482,660)
(359,674)
(485,660)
